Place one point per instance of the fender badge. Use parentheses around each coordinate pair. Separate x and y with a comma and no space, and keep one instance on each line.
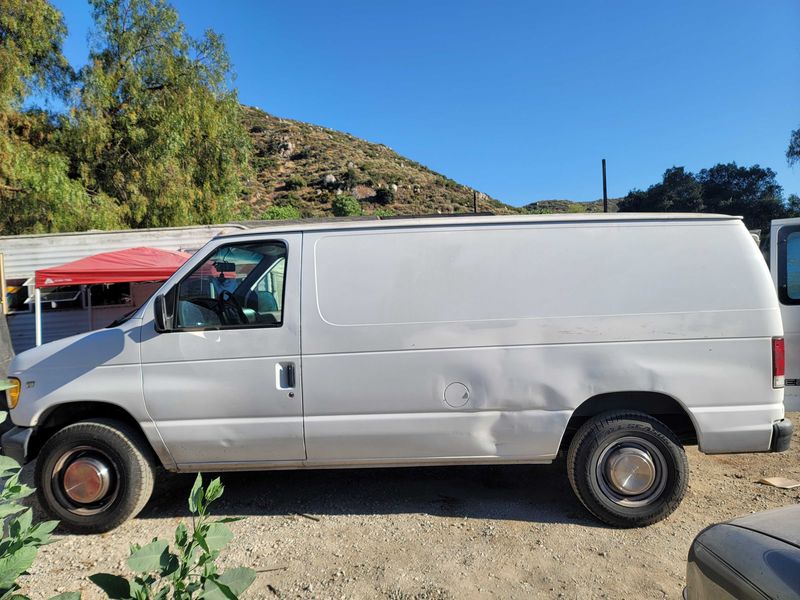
(30,384)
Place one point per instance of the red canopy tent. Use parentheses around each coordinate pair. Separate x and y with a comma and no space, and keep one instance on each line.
(121,266)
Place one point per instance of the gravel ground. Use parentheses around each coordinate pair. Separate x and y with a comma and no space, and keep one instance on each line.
(434,533)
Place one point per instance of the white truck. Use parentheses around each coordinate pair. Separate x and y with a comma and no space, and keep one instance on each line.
(617,339)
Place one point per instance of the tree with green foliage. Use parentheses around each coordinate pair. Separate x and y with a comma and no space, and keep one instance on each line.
(345,206)
(156,126)
(752,192)
(793,205)
(679,191)
(36,191)
(31,35)
(793,152)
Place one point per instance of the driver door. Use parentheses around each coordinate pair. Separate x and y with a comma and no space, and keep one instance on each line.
(223,386)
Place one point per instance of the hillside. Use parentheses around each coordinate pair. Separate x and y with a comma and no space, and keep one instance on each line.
(570,206)
(305,166)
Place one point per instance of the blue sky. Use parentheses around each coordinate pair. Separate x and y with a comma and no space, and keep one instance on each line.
(521,99)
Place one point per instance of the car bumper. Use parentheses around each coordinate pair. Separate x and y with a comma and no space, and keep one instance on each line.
(781,435)
(15,442)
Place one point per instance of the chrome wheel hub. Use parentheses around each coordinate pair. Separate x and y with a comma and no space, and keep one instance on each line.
(630,471)
(86,480)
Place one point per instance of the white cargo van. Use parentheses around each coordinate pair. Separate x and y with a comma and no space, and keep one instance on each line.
(616,339)
(784,260)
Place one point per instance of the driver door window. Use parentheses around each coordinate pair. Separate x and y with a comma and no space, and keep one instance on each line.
(237,286)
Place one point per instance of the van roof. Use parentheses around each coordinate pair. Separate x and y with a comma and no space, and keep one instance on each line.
(338,223)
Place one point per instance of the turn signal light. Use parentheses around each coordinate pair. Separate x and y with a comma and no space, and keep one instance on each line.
(12,393)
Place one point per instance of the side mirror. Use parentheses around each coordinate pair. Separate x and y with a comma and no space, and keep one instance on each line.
(162,318)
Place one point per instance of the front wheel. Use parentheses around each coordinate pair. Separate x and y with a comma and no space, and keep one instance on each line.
(627,468)
(94,475)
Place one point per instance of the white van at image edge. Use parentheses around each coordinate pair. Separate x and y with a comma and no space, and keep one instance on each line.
(615,339)
(784,261)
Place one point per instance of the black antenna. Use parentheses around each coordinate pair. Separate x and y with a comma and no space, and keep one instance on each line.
(475,202)
(605,190)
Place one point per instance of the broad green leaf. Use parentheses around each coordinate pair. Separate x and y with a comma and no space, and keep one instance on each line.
(214,490)
(149,558)
(67,596)
(169,565)
(139,587)
(114,586)
(10,508)
(213,590)
(196,495)
(14,490)
(40,532)
(238,579)
(217,537)
(25,520)
(201,540)
(181,535)
(15,564)
(8,466)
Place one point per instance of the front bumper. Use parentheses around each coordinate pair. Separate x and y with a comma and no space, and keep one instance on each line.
(781,435)
(15,442)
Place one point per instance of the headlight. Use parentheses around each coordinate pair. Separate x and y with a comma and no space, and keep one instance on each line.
(12,393)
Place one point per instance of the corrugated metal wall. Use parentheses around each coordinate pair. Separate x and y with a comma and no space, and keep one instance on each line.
(24,254)
(55,325)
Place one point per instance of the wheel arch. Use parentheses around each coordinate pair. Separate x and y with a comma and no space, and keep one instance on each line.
(663,407)
(58,416)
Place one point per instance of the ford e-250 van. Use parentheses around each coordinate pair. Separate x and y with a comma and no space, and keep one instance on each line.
(617,339)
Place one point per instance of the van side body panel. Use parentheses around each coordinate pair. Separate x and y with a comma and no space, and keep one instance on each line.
(530,321)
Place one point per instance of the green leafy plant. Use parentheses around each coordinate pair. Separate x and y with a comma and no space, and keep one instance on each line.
(383,212)
(189,570)
(20,538)
(295,182)
(384,196)
(345,206)
(281,213)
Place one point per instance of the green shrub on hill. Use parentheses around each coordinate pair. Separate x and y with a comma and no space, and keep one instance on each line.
(345,206)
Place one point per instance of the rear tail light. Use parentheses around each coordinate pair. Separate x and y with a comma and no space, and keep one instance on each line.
(778,362)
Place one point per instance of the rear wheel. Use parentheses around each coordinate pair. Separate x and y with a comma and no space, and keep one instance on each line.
(94,475)
(627,468)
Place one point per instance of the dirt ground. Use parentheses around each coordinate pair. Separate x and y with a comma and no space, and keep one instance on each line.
(434,533)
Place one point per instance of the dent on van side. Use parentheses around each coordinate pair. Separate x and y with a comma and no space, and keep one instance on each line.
(614,339)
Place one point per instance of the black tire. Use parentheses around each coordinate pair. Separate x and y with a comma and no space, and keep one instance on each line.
(129,474)
(610,437)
